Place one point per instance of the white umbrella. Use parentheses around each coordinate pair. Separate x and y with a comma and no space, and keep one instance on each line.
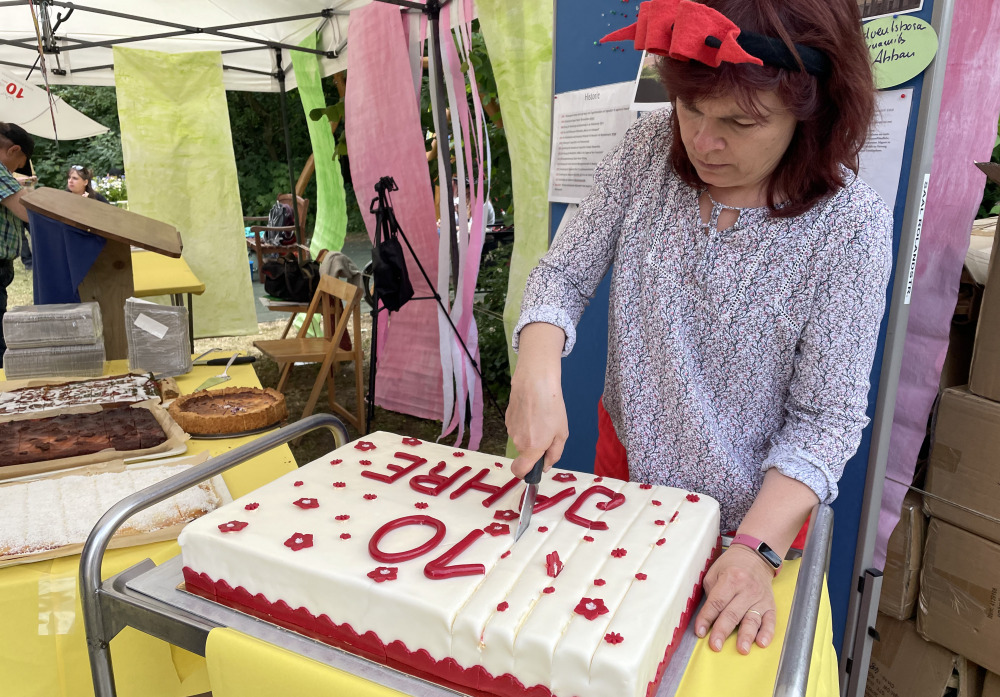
(28,106)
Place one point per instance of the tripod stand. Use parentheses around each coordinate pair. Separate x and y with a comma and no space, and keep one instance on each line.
(387,228)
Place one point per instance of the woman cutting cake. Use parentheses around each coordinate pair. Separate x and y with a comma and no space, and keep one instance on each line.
(749,266)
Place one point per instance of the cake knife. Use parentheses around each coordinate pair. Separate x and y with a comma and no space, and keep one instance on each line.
(221,377)
(532,479)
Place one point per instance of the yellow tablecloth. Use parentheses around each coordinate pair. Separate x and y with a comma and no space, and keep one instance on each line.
(156,274)
(43,649)
(242,666)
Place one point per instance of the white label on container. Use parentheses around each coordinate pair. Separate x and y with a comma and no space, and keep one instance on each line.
(148,324)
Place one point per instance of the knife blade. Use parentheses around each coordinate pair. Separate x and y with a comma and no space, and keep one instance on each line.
(532,479)
(240,360)
(220,378)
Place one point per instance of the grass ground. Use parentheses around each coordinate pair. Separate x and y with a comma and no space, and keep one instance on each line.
(312,446)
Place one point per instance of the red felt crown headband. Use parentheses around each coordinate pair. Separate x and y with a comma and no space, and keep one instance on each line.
(686,30)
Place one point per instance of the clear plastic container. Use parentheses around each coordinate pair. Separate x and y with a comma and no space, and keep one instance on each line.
(158,339)
(86,361)
(31,326)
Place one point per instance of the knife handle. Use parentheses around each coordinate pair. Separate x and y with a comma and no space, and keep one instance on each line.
(535,475)
(240,360)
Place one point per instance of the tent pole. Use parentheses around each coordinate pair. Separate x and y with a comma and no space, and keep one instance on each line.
(280,74)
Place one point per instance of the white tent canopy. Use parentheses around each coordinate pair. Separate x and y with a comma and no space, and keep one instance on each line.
(249,33)
(29,107)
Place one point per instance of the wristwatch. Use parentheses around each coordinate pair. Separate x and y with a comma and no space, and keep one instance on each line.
(761,548)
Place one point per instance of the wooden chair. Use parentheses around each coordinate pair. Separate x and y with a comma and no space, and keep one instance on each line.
(336,302)
(300,246)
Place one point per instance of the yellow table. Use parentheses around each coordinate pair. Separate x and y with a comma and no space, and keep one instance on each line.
(156,274)
(43,652)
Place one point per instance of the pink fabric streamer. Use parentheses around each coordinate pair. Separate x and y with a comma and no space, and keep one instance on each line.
(384,138)
(966,129)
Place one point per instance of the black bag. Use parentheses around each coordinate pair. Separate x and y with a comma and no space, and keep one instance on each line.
(290,280)
(280,215)
(391,280)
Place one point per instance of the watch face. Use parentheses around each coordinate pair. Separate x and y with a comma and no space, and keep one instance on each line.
(770,555)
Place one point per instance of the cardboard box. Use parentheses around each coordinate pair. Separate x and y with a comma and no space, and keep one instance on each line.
(991,688)
(962,333)
(963,472)
(984,378)
(901,578)
(960,594)
(903,664)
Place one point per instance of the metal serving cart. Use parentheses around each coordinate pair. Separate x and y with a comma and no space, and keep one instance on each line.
(147,597)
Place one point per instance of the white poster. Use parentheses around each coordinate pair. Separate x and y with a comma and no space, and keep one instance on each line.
(882,156)
(586,125)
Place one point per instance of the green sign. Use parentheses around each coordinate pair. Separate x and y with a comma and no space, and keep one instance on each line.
(901,48)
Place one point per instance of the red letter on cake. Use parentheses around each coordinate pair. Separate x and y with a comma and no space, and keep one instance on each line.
(436,483)
(399,470)
(614,500)
(543,502)
(390,557)
(439,567)
(476,483)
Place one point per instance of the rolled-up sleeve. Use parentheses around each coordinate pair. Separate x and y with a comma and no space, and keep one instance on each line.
(826,408)
(561,286)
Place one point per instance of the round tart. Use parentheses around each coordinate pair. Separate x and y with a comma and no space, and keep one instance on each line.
(230,410)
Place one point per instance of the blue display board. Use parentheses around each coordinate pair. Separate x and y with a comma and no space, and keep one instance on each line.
(580,62)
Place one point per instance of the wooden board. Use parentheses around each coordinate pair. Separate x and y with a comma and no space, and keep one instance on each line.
(109,282)
(105,220)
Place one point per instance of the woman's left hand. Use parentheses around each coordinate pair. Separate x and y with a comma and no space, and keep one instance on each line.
(738,589)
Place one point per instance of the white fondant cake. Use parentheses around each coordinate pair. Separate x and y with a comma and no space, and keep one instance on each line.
(405,551)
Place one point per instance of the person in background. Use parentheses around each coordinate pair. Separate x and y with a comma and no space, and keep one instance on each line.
(80,181)
(16,147)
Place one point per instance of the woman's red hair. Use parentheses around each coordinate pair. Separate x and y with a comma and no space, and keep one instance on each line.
(834,112)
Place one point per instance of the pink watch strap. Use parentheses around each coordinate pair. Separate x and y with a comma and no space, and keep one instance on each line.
(755,544)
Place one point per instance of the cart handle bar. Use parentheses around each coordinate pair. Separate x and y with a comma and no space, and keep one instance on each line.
(100,536)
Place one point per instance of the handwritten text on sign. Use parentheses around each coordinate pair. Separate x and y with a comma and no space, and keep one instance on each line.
(901,48)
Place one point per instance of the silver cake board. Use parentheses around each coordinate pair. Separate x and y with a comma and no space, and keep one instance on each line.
(162,586)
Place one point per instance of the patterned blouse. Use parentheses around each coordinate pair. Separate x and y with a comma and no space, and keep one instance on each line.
(729,352)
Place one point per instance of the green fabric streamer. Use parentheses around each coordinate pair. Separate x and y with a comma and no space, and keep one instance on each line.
(518,37)
(178,150)
(331,206)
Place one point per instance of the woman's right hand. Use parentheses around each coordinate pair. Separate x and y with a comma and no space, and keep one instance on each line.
(536,416)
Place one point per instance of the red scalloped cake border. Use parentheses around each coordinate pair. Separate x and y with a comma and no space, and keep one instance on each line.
(397,655)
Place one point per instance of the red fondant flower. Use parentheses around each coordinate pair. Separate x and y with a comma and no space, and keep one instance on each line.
(420,504)
(497,529)
(233,526)
(411,441)
(343,516)
(299,483)
(588,538)
(505,515)
(542,528)
(564,477)
(505,554)
(306,503)
(598,480)
(345,535)
(299,541)
(339,485)
(498,464)
(553,564)
(458,453)
(656,503)
(364,445)
(591,608)
(252,506)
(383,573)
(548,589)
(693,498)
(599,581)
(370,497)
(660,542)
(618,552)
(336,462)
(659,522)
(645,486)
(641,576)
(614,638)
(674,516)
(502,606)
(365,463)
